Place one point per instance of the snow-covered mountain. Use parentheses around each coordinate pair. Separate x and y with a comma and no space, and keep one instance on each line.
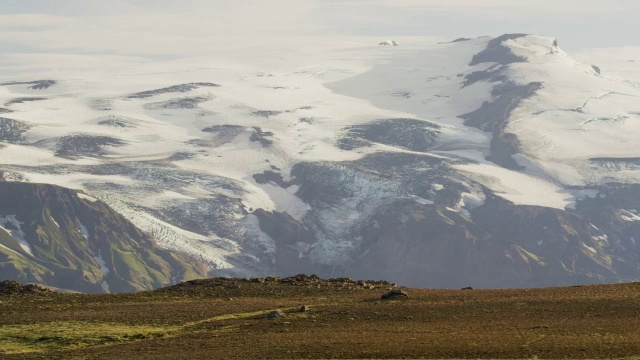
(488,162)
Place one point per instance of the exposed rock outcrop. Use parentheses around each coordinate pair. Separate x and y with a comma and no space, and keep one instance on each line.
(395,294)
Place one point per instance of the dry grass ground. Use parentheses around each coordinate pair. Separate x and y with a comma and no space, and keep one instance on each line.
(219,319)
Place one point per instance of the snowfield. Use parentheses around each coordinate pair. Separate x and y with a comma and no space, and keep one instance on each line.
(189,149)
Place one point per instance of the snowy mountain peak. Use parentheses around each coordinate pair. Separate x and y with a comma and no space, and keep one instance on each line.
(314,161)
(516,48)
(534,45)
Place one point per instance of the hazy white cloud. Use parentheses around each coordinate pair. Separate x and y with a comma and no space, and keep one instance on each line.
(174,28)
(52,65)
(32,21)
(577,23)
(151,27)
(517,8)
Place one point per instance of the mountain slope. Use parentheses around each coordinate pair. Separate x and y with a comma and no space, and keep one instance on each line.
(63,238)
(483,162)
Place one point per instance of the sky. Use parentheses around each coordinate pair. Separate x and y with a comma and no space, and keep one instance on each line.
(131,30)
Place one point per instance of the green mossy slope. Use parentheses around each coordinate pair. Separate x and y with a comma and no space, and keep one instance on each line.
(70,235)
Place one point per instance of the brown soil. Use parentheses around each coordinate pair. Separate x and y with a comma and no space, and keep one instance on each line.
(227,319)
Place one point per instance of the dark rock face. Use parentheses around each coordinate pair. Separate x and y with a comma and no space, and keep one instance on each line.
(436,247)
(233,130)
(493,117)
(53,236)
(492,74)
(12,131)
(220,135)
(350,142)
(266,113)
(85,145)
(172,89)
(271,176)
(183,103)
(293,240)
(179,156)
(35,85)
(502,245)
(411,134)
(498,53)
(396,294)
(261,136)
(23,100)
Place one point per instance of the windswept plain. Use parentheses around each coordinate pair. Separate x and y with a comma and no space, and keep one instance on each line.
(345,319)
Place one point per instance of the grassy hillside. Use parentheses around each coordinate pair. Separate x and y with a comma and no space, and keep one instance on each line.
(227,318)
(79,243)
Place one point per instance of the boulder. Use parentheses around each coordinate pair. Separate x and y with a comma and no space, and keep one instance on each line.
(396,294)
(276,314)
